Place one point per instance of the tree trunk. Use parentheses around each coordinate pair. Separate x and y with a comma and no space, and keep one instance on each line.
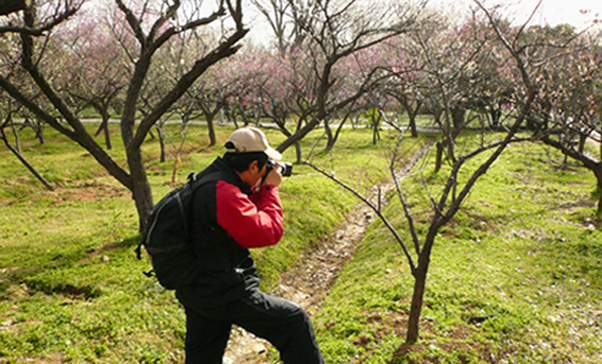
(495,117)
(298,151)
(412,113)
(439,157)
(107,135)
(140,187)
(338,132)
(413,330)
(420,274)
(598,173)
(161,135)
(37,126)
(582,140)
(458,117)
(375,124)
(39,129)
(437,118)
(16,135)
(329,136)
(413,128)
(212,138)
(104,127)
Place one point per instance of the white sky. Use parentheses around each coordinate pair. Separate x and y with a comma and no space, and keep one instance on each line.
(552,12)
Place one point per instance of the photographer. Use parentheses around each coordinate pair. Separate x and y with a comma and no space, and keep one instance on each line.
(237,210)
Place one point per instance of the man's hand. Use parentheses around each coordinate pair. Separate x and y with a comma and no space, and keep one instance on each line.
(274,178)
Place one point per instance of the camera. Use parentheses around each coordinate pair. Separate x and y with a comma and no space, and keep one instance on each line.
(286,168)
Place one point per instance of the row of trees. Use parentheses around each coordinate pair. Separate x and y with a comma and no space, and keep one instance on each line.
(149,59)
(139,61)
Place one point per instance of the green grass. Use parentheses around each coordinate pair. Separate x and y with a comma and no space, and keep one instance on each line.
(525,248)
(71,289)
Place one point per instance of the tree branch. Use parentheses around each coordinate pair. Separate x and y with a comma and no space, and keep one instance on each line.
(406,209)
(374,208)
(36,31)
(224,50)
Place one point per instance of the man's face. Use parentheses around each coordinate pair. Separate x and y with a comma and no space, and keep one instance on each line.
(256,174)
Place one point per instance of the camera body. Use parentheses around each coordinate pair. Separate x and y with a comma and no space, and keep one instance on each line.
(286,168)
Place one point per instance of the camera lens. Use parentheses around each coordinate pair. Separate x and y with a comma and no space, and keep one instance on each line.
(286,169)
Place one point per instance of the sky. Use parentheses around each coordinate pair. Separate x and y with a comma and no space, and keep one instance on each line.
(551,12)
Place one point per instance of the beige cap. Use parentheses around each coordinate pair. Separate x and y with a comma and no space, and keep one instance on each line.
(249,139)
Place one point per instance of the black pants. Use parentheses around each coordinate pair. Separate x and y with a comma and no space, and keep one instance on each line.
(283,323)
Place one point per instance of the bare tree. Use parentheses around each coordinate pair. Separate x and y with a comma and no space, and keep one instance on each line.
(150,25)
(456,188)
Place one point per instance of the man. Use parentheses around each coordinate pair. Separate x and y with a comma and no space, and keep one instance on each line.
(240,209)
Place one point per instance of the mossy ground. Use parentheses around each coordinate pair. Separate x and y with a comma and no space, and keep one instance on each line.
(525,249)
(523,258)
(71,289)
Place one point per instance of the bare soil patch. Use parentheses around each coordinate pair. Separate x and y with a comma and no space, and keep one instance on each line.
(91,191)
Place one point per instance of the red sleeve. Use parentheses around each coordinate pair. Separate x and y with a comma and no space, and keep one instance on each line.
(252,225)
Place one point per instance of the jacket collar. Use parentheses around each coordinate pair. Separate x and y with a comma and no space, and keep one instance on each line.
(231,176)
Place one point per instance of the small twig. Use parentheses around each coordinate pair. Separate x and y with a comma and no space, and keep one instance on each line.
(402,199)
(374,208)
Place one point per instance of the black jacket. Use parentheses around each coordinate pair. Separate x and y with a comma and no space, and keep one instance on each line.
(227,219)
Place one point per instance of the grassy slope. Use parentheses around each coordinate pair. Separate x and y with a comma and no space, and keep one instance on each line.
(70,286)
(526,248)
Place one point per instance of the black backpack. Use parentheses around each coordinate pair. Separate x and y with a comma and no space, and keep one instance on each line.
(167,238)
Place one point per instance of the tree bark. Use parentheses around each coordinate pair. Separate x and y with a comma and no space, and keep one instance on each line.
(161,135)
(598,173)
(104,126)
(211,129)
(420,274)
(141,190)
(413,330)
(439,156)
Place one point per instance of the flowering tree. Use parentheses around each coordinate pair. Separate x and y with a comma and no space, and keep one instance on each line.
(402,84)
(332,32)
(96,72)
(566,112)
(143,27)
(461,69)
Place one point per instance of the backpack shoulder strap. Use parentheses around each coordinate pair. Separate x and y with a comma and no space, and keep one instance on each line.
(196,182)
